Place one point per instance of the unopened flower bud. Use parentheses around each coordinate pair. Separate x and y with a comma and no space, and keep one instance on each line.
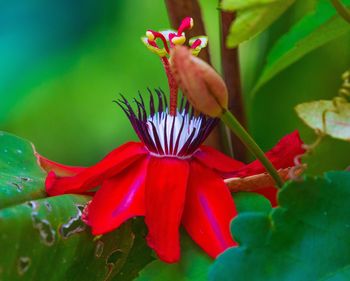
(199,82)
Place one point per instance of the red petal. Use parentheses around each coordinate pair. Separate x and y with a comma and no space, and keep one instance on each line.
(166,183)
(281,156)
(59,169)
(208,211)
(111,165)
(217,160)
(119,198)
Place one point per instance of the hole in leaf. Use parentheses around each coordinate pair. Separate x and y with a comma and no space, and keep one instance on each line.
(18,186)
(80,208)
(33,205)
(74,225)
(23,265)
(26,179)
(114,257)
(47,234)
(48,206)
(99,249)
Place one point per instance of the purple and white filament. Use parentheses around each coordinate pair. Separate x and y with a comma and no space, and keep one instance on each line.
(167,135)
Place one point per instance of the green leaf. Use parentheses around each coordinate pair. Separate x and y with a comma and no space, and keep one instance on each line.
(328,117)
(252,17)
(311,32)
(341,275)
(21,178)
(306,238)
(251,202)
(140,254)
(193,266)
(46,238)
(234,5)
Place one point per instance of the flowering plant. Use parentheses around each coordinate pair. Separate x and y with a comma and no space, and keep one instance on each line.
(169,177)
(194,197)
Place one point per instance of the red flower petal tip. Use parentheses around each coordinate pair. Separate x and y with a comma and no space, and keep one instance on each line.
(163,256)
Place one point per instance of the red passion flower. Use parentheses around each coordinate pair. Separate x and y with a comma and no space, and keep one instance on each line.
(168,177)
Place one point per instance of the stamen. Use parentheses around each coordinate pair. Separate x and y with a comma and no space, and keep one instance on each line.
(153,35)
(196,43)
(187,23)
(150,35)
(178,40)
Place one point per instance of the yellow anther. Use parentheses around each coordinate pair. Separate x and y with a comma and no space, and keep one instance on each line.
(178,40)
(150,35)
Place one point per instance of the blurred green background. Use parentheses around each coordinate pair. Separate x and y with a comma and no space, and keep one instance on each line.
(63,62)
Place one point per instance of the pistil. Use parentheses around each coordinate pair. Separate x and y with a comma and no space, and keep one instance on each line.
(174,38)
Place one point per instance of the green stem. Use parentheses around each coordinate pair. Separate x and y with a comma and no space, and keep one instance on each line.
(341,9)
(231,121)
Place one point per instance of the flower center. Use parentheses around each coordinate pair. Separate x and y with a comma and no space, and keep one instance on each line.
(165,134)
(175,133)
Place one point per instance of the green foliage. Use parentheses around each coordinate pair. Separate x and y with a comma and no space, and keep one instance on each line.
(44,238)
(253,16)
(21,178)
(233,5)
(327,117)
(312,31)
(139,256)
(250,201)
(306,238)
(341,275)
(107,58)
